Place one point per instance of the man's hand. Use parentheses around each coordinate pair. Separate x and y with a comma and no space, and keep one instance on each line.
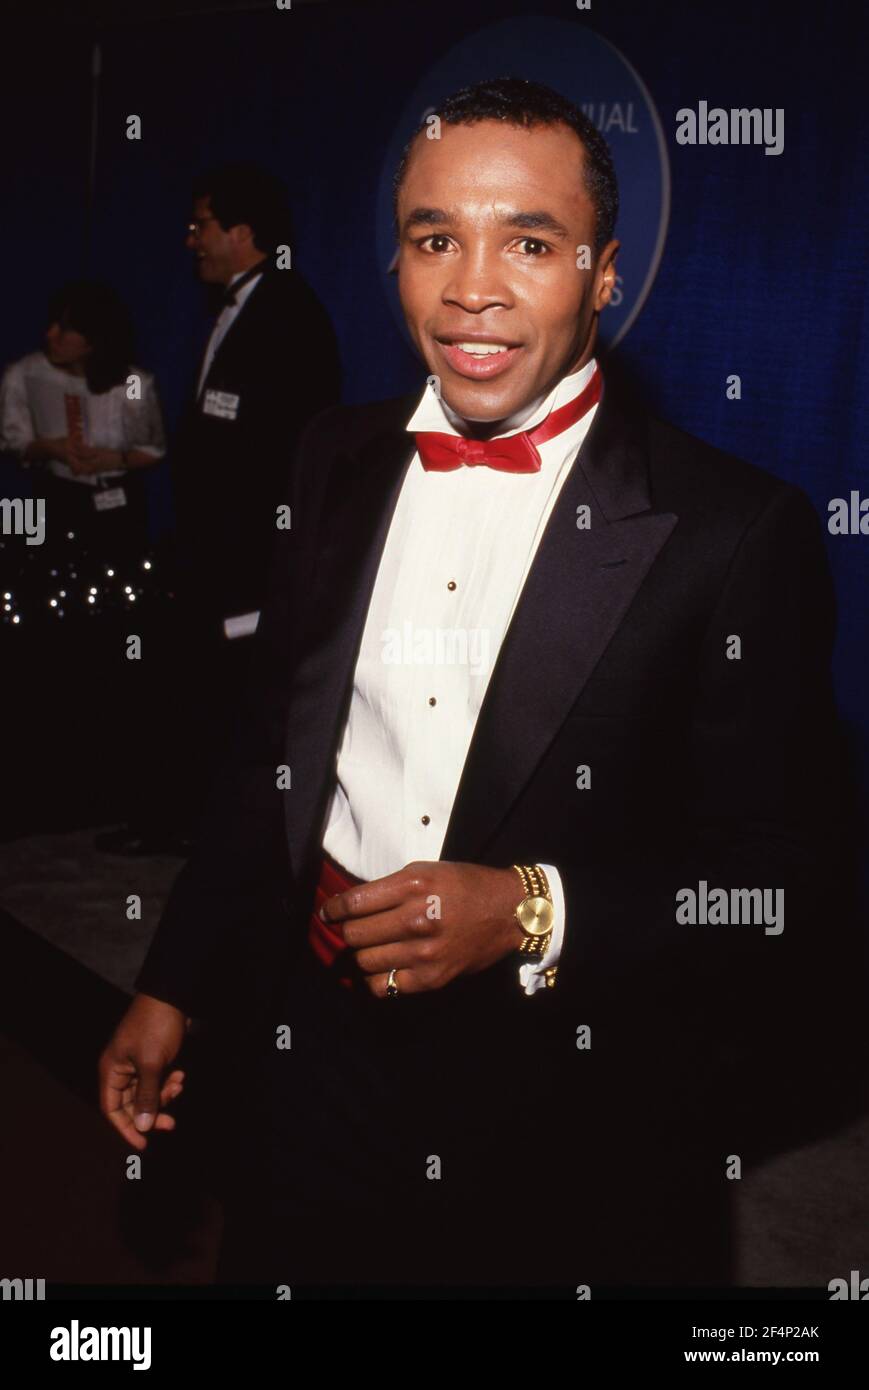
(429,922)
(132,1090)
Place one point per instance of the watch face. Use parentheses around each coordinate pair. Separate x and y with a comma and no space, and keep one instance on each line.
(536,915)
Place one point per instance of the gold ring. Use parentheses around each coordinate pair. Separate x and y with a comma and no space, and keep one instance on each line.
(391,986)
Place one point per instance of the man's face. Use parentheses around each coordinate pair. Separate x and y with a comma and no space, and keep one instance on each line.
(490,218)
(213,246)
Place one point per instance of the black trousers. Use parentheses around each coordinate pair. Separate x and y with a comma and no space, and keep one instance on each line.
(409,1143)
(351,1124)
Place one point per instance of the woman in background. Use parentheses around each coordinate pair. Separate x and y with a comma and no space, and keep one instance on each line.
(90,420)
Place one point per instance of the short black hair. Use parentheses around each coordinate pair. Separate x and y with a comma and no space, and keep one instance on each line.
(244,192)
(97,312)
(521,102)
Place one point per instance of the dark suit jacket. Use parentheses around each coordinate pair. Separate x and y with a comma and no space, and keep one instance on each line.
(280,358)
(702,768)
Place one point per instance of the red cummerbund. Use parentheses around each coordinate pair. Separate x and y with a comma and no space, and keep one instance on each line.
(326,939)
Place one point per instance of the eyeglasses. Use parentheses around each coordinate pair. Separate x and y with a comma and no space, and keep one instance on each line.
(194,228)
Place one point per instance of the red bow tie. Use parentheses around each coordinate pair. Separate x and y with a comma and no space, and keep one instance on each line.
(517,453)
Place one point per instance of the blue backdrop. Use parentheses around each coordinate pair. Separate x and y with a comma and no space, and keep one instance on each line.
(763,271)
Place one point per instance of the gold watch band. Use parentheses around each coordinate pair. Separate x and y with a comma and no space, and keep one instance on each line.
(537,903)
(534,880)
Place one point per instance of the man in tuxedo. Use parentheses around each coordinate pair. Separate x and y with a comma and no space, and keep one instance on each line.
(534,666)
(270,362)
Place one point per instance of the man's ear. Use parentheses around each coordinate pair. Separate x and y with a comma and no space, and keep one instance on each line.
(606,274)
(241,233)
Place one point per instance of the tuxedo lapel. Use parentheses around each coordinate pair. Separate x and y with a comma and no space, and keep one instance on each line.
(359,501)
(577,592)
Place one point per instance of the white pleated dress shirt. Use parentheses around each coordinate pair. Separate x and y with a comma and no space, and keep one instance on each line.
(222,324)
(458,552)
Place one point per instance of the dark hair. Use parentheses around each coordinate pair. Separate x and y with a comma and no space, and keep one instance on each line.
(520,102)
(243,192)
(97,312)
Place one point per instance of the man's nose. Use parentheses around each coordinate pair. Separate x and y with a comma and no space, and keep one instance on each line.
(477,281)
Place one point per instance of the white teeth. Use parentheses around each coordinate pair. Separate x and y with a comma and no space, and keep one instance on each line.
(481,349)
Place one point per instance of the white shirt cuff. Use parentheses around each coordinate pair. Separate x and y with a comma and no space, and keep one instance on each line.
(532,975)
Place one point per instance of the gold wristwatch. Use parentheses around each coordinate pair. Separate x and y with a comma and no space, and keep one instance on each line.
(536,913)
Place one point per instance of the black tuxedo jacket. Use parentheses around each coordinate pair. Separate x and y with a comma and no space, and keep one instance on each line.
(702,768)
(280,359)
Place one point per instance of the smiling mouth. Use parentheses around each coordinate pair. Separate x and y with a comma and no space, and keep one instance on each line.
(479,360)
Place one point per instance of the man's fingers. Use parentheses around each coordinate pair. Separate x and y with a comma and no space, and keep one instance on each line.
(379,895)
(123,1123)
(146,1105)
(385,928)
(169,1091)
(172,1087)
(406,981)
(116,1077)
(396,955)
(136,1078)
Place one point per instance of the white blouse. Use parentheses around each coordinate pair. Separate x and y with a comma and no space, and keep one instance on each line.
(33,406)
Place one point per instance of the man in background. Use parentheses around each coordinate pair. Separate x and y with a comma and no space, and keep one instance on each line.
(270,363)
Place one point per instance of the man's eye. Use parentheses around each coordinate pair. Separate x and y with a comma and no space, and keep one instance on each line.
(435,236)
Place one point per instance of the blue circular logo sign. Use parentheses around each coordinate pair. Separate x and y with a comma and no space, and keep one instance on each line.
(597,78)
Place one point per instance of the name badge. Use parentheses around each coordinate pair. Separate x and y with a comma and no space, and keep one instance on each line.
(105,498)
(223,404)
(243,625)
